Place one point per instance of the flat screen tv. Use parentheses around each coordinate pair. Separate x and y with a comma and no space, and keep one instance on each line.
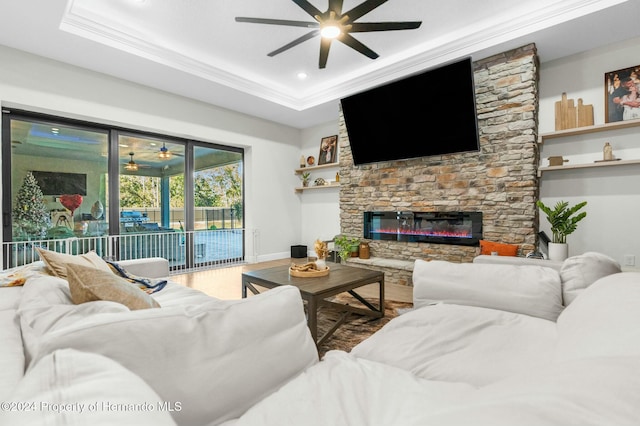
(431,113)
(56,183)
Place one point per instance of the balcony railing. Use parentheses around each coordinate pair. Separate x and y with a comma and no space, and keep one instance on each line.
(185,251)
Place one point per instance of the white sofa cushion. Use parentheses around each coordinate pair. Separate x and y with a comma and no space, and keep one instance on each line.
(68,387)
(149,267)
(579,272)
(207,356)
(527,289)
(458,343)
(603,391)
(46,304)
(603,321)
(12,361)
(343,390)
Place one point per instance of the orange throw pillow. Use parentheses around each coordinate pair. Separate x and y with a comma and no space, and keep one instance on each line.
(488,247)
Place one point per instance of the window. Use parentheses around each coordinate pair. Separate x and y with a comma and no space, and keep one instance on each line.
(157,194)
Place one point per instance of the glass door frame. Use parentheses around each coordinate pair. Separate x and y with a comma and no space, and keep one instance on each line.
(113,170)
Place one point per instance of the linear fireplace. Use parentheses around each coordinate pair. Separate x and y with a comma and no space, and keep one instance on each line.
(459,228)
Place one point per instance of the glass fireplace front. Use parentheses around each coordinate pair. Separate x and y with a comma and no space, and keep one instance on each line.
(458,228)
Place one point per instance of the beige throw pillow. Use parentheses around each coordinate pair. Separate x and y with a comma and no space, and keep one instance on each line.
(88,284)
(57,262)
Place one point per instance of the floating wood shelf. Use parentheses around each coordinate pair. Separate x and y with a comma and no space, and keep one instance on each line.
(331,185)
(589,129)
(587,165)
(312,168)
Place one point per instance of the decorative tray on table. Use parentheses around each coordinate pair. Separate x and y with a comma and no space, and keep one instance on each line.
(307,270)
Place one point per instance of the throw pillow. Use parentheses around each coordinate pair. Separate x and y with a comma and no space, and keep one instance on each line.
(20,274)
(57,262)
(150,285)
(488,247)
(579,272)
(72,387)
(88,284)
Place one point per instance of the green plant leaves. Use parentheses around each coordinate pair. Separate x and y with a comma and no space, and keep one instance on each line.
(562,219)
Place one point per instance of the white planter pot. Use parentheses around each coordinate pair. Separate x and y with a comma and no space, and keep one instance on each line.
(558,251)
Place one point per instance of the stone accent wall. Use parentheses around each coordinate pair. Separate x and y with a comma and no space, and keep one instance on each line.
(500,180)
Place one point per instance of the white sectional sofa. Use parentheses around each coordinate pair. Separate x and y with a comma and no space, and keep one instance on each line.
(486,344)
(195,360)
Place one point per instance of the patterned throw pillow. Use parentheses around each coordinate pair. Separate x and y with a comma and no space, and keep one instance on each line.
(147,284)
(18,276)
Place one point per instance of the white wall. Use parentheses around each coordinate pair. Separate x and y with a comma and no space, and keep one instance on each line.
(320,208)
(273,219)
(612,193)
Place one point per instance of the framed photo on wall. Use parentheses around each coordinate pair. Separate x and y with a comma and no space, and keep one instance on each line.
(328,150)
(621,90)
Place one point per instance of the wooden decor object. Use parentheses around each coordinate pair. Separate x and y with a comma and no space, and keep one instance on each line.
(585,114)
(308,274)
(569,116)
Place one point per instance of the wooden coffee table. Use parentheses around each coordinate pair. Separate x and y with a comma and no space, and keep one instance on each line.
(316,290)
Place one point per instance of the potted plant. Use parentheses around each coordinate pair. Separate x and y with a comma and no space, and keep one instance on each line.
(564,221)
(306,176)
(344,245)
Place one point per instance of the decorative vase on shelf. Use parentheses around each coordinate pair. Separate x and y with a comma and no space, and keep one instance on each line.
(558,251)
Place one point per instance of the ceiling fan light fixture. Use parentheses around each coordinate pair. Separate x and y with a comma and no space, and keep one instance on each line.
(164,153)
(132,166)
(330,31)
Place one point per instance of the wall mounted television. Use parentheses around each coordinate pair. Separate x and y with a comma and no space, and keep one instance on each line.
(431,113)
(56,183)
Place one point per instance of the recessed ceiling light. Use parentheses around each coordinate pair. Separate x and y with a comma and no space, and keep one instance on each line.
(302,75)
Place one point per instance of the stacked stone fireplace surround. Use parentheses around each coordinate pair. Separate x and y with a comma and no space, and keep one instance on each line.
(500,180)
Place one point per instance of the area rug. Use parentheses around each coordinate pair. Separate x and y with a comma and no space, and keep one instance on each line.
(357,327)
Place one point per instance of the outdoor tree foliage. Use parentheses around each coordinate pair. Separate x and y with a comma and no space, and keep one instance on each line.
(220,187)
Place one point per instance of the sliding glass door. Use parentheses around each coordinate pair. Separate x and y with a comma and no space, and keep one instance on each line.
(218,204)
(146,194)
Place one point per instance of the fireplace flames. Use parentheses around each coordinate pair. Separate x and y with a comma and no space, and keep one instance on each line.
(425,233)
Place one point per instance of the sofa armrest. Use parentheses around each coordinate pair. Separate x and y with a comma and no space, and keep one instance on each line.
(151,267)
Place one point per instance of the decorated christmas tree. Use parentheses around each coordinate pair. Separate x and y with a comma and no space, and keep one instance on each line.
(30,214)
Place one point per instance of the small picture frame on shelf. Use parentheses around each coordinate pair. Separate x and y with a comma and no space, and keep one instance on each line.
(622,94)
(328,150)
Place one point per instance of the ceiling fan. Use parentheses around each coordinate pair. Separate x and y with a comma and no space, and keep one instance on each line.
(334,24)
(132,166)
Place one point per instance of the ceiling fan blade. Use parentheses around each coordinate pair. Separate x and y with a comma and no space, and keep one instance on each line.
(295,42)
(278,22)
(356,45)
(336,6)
(325,45)
(360,27)
(363,9)
(308,7)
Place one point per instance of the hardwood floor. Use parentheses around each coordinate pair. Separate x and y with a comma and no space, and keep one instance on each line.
(225,283)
